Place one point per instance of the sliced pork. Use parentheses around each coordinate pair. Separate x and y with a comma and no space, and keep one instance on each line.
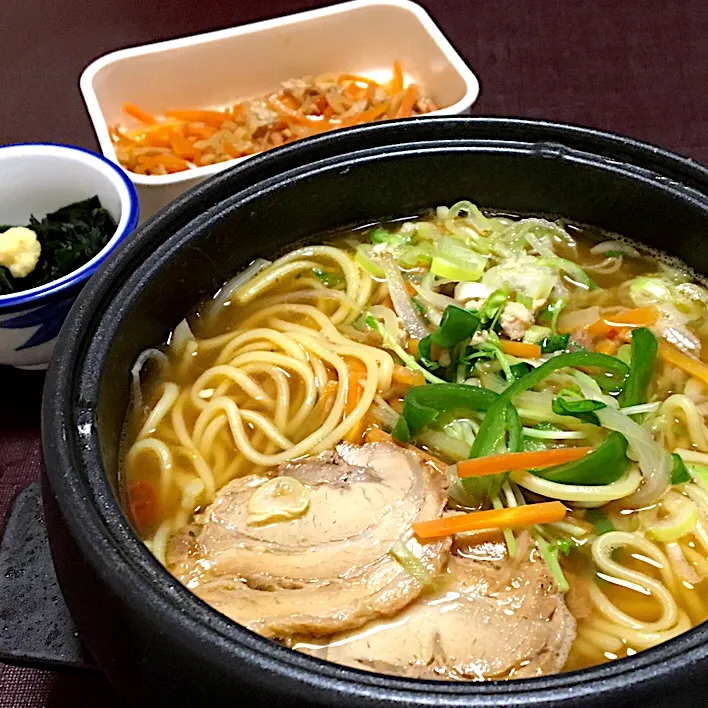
(329,569)
(491,619)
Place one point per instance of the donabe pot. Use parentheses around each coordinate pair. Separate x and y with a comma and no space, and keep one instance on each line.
(157,642)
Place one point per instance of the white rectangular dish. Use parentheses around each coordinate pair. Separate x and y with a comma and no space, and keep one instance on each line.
(215,69)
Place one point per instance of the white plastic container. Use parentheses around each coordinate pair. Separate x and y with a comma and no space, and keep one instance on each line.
(217,69)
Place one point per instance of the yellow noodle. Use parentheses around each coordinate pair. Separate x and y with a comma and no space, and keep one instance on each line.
(187,358)
(602,549)
(237,377)
(158,543)
(594,495)
(587,649)
(696,559)
(641,638)
(267,278)
(185,439)
(681,406)
(163,455)
(289,265)
(170,392)
(601,640)
(262,338)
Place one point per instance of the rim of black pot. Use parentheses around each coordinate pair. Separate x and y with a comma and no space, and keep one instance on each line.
(100,528)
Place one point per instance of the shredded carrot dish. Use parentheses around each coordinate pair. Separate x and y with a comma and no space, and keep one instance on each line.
(180,140)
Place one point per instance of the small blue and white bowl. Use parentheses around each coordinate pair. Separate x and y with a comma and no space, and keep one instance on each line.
(37,179)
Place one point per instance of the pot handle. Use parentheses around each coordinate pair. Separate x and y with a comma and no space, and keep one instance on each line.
(37,629)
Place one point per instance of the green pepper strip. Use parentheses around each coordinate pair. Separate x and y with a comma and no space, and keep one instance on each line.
(516,431)
(600,521)
(604,465)
(492,432)
(641,370)
(679,471)
(424,404)
(456,326)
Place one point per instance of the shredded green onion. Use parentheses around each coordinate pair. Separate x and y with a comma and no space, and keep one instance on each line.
(549,553)
(509,537)
(411,563)
(682,518)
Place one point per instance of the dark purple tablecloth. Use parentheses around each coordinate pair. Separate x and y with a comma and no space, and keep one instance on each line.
(638,68)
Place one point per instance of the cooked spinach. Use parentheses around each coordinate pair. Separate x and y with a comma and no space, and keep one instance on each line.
(70,237)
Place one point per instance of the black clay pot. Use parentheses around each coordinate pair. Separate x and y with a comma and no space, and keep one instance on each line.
(156,641)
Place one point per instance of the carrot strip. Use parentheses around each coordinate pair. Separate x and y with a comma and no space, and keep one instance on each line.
(396,404)
(408,101)
(641,316)
(510,461)
(373,435)
(520,349)
(118,135)
(277,104)
(142,504)
(202,132)
(357,79)
(141,115)
(171,163)
(672,355)
(355,389)
(396,85)
(412,346)
(366,116)
(181,146)
(213,118)
(355,365)
(519,516)
(147,132)
(353,91)
(606,346)
(407,377)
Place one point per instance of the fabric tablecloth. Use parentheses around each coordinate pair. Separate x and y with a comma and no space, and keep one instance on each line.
(638,68)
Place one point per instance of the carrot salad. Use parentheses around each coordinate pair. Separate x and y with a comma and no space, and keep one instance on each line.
(180,140)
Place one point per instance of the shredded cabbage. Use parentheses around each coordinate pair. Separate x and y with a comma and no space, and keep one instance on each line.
(524,274)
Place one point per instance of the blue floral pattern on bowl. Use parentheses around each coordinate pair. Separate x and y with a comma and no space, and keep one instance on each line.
(47,319)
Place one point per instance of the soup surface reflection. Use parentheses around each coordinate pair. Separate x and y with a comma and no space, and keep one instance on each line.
(460,446)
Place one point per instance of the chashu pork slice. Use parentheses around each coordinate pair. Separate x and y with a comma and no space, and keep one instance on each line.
(331,568)
(494,618)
